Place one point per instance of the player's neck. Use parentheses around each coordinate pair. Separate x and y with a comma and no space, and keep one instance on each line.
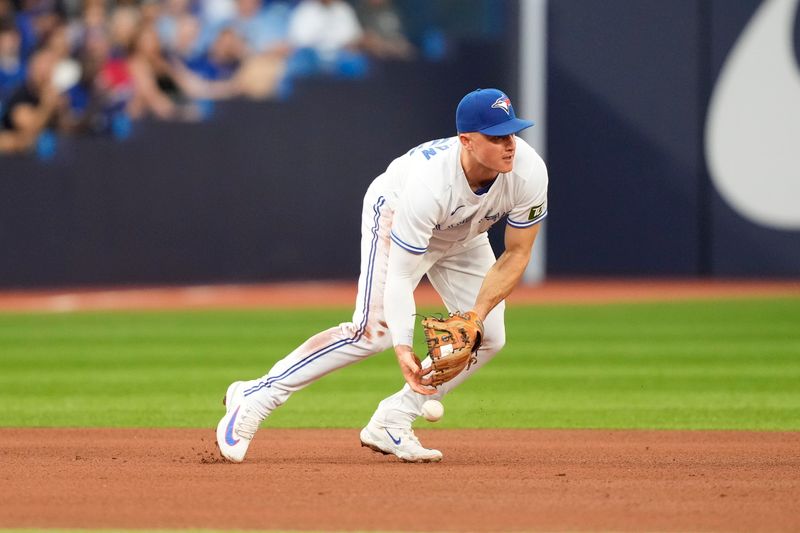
(478,176)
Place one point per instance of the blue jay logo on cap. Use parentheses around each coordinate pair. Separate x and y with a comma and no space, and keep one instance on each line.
(476,112)
(502,103)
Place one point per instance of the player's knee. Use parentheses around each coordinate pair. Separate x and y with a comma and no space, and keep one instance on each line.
(377,338)
(376,345)
(372,339)
(494,341)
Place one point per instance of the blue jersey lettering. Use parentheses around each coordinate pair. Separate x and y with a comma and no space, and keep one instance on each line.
(429,149)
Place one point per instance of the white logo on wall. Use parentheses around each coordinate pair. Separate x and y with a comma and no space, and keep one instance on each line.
(752,137)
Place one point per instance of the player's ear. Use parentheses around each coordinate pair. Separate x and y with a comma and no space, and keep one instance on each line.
(466,140)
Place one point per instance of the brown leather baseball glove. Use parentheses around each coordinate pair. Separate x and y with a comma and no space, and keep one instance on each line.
(452,344)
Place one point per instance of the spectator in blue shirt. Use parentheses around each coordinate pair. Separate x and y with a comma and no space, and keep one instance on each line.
(262,27)
(12,69)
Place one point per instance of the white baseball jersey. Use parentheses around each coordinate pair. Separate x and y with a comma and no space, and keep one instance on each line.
(435,206)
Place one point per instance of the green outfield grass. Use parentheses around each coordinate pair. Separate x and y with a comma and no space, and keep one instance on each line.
(694,365)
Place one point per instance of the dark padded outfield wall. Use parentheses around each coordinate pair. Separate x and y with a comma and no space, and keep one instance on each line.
(629,87)
(623,137)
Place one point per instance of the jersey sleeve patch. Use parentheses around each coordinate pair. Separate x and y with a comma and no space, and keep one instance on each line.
(407,247)
(536,211)
(527,223)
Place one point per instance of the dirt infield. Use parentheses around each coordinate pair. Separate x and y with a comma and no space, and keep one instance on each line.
(305,294)
(510,480)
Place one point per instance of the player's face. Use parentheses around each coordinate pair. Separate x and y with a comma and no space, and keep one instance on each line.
(493,152)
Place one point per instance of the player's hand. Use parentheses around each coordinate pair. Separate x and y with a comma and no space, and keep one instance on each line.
(417,378)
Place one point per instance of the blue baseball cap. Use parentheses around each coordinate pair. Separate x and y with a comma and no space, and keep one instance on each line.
(488,111)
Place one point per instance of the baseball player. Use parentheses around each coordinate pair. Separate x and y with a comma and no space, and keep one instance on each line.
(427,214)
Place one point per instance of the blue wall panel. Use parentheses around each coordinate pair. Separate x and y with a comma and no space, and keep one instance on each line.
(622,137)
(629,84)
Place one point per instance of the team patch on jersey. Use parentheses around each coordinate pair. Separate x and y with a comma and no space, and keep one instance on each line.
(502,103)
(536,211)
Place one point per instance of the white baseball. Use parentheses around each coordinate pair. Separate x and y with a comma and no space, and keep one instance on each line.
(432,410)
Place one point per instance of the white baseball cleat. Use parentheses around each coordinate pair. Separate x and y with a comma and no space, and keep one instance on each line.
(398,441)
(239,425)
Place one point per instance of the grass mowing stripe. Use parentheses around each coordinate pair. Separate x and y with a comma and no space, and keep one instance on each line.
(693,365)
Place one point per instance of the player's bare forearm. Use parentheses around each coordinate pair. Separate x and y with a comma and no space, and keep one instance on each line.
(499,282)
(507,270)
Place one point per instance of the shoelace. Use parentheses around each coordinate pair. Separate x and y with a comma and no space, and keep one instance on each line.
(409,434)
(248,424)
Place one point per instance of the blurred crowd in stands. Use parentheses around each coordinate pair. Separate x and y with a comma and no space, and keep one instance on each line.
(92,66)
